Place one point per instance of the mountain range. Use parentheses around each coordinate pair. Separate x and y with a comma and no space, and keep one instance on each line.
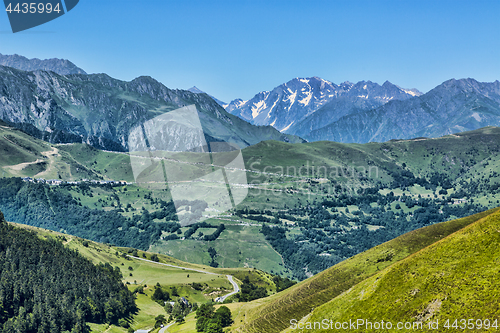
(101,111)
(55,100)
(292,106)
(317,110)
(452,107)
(359,226)
(59,66)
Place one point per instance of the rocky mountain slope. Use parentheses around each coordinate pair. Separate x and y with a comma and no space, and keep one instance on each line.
(102,111)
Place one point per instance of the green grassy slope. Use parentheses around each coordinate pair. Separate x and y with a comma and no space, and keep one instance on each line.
(17,147)
(454,278)
(274,313)
(109,165)
(289,174)
(453,154)
(237,246)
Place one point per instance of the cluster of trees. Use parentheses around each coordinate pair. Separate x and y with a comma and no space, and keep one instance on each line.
(210,321)
(192,230)
(216,234)
(282,283)
(404,178)
(171,237)
(298,255)
(46,287)
(249,291)
(159,295)
(258,218)
(159,320)
(213,254)
(194,227)
(197,286)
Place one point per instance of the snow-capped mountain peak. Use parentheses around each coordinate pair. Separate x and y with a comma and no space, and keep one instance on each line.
(293,101)
(234,104)
(286,103)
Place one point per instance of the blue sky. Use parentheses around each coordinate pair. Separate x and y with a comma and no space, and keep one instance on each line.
(234,49)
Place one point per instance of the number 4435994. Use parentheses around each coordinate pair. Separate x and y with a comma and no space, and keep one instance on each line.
(471,324)
(33,8)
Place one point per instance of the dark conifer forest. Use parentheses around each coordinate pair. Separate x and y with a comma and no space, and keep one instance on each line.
(45,287)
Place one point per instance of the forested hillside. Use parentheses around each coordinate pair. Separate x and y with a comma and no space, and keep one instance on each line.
(45,287)
(47,207)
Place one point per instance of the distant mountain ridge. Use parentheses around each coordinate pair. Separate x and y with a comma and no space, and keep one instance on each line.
(316,109)
(101,111)
(299,99)
(359,97)
(59,66)
(310,108)
(452,107)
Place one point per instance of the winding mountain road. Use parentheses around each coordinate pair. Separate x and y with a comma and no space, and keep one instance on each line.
(164,328)
(235,287)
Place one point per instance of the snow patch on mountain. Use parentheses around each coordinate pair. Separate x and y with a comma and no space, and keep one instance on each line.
(234,104)
(257,107)
(411,92)
(291,99)
(287,127)
(272,107)
(306,99)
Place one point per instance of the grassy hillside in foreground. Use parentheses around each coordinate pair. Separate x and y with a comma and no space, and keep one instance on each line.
(454,278)
(273,314)
(139,272)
